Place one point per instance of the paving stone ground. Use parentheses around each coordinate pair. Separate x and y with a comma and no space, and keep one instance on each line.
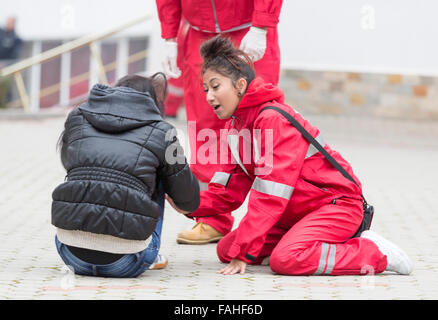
(397,162)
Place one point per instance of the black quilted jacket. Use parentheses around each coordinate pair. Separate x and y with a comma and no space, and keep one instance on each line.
(115,148)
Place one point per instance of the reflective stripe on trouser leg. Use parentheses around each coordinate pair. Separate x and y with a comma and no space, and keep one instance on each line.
(272,188)
(331,259)
(174,90)
(323,267)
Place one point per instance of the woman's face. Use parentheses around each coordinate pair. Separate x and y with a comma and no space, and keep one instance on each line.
(222,95)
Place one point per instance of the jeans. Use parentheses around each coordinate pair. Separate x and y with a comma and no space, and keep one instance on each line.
(129,266)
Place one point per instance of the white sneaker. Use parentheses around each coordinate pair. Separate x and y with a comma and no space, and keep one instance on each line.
(159,263)
(398,260)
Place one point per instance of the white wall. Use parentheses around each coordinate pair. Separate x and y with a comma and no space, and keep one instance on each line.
(391,36)
(54,19)
(398,36)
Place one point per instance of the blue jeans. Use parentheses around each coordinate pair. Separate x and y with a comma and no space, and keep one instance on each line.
(129,266)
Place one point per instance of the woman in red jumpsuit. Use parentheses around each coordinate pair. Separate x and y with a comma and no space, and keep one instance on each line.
(302,213)
(252,24)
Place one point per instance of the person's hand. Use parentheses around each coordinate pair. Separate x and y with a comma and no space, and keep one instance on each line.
(254,43)
(169,62)
(169,199)
(235,266)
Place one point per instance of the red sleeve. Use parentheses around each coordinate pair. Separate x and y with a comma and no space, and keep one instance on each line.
(226,192)
(169,13)
(282,153)
(266,13)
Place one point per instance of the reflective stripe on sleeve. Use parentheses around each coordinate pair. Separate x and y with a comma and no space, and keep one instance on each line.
(220,178)
(273,188)
(312,150)
(174,90)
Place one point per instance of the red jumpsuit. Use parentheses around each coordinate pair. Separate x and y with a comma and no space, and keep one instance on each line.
(207,19)
(301,211)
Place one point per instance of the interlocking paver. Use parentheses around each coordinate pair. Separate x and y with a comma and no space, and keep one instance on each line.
(396,161)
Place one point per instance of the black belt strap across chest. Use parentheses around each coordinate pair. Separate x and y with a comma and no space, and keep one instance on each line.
(315,143)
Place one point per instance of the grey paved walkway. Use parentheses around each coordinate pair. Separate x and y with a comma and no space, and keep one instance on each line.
(397,162)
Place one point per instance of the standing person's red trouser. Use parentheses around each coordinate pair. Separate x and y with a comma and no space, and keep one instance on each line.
(200,114)
(175,86)
(175,96)
(318,244)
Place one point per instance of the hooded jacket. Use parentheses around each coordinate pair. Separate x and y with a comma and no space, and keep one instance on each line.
(116,148)
(285,176)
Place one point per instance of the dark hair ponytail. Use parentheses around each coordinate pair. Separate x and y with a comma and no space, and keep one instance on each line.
(220,55)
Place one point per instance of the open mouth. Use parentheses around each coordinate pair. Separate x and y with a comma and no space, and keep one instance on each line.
(216,106)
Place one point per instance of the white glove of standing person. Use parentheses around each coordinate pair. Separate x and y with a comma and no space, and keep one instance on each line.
(169,63)
(254,43)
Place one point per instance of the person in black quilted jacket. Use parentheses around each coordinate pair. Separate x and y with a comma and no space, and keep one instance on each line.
(121,159)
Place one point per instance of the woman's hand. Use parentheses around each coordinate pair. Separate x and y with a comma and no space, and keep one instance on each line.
(169,199)
(235,266)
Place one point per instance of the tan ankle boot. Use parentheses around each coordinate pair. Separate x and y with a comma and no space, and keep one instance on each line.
(201,233)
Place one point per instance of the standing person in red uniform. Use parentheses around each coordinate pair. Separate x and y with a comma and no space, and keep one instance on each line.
(250,24)
(302,212)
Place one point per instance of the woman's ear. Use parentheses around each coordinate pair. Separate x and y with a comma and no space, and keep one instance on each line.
(241,86)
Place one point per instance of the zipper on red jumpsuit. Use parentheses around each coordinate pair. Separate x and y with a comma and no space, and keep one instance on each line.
(232,121)
(216,22)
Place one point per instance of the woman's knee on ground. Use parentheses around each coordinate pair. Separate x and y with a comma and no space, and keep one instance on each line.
(291,260)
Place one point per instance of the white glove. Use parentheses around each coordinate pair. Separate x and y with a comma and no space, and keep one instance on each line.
(254,43)
(169,64)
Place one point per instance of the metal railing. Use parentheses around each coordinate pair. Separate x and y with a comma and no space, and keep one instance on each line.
(15,70)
